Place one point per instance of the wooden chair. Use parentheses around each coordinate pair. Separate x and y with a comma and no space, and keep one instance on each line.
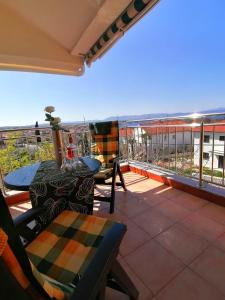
(73,257)
(105,147)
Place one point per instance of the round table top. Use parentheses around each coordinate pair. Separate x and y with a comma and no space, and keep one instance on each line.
(21,179)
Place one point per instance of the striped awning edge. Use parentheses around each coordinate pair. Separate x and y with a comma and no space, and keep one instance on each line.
(130,16)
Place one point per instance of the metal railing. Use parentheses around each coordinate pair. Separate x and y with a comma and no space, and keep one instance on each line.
(23,146)
(191,146)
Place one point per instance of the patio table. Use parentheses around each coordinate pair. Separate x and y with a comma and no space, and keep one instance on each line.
(55,189)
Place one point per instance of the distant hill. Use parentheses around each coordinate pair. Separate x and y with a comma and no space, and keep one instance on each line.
(161,115)
(143,117)
(214,110)
(125,117)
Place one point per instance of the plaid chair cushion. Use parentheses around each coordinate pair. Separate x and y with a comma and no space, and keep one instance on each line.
(14,267)
(55,289)
(105,142)
(65,248)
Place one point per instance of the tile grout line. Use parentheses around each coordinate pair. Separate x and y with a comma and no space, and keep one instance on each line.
(205,280)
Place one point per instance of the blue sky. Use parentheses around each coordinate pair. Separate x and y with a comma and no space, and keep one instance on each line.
(173,60)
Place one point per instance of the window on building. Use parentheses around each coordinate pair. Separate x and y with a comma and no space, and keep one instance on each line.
(205,155)
(173,136)
(206,138)
(222,138)
(220,161)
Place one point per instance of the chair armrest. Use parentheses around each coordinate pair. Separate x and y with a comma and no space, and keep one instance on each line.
(95,276)
(27,217)
(21,223)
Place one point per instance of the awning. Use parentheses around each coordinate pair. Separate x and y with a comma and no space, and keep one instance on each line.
(59,36)
(129,17)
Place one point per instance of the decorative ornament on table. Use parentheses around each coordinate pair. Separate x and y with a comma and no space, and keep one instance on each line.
(71,148)
(71,162)
(74,165)
(55,123)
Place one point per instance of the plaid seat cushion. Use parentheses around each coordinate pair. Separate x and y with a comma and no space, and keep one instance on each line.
(105,146)
(65,248)
(55,289)
(14,267)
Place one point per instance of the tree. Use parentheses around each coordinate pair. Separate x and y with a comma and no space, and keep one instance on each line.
(17,152)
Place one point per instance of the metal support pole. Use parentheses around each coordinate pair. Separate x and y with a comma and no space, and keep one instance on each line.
(127,142)
(168,148)
(183,152)
(163,150)
(152,148)
(147,148)
(176,149)
(201,145)
(213,148)
(223,162)
(192,146)
(138,143)
(157,147)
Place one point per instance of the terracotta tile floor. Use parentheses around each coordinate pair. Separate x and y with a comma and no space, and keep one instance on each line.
(174,247)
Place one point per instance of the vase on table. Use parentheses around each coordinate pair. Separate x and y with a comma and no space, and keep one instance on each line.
(58,146)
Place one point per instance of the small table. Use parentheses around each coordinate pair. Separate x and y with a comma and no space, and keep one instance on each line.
(55,189)
(21,179)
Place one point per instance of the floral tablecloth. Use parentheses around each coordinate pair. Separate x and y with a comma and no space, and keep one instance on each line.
(56,190)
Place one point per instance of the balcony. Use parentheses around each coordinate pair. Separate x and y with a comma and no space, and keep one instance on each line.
(175,235)
(173,239)
(174,168)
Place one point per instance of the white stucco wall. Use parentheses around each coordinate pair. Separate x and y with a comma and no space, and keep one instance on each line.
(208,148)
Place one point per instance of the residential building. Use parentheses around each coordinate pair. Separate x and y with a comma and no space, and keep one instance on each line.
(213,147)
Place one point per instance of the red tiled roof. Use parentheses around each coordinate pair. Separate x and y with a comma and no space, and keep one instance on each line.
(164,130)
(209,128)
(126,131)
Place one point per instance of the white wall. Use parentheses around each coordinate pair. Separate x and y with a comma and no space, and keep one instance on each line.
(208,148)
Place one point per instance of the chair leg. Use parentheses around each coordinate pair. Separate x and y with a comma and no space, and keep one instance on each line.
(112,200)
(123,280)
(121,178)
(101,294)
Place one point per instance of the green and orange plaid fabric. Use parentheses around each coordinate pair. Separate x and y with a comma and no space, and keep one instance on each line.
(55,289)
(65,248)
(105,142)
(14,267)
(59,255)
